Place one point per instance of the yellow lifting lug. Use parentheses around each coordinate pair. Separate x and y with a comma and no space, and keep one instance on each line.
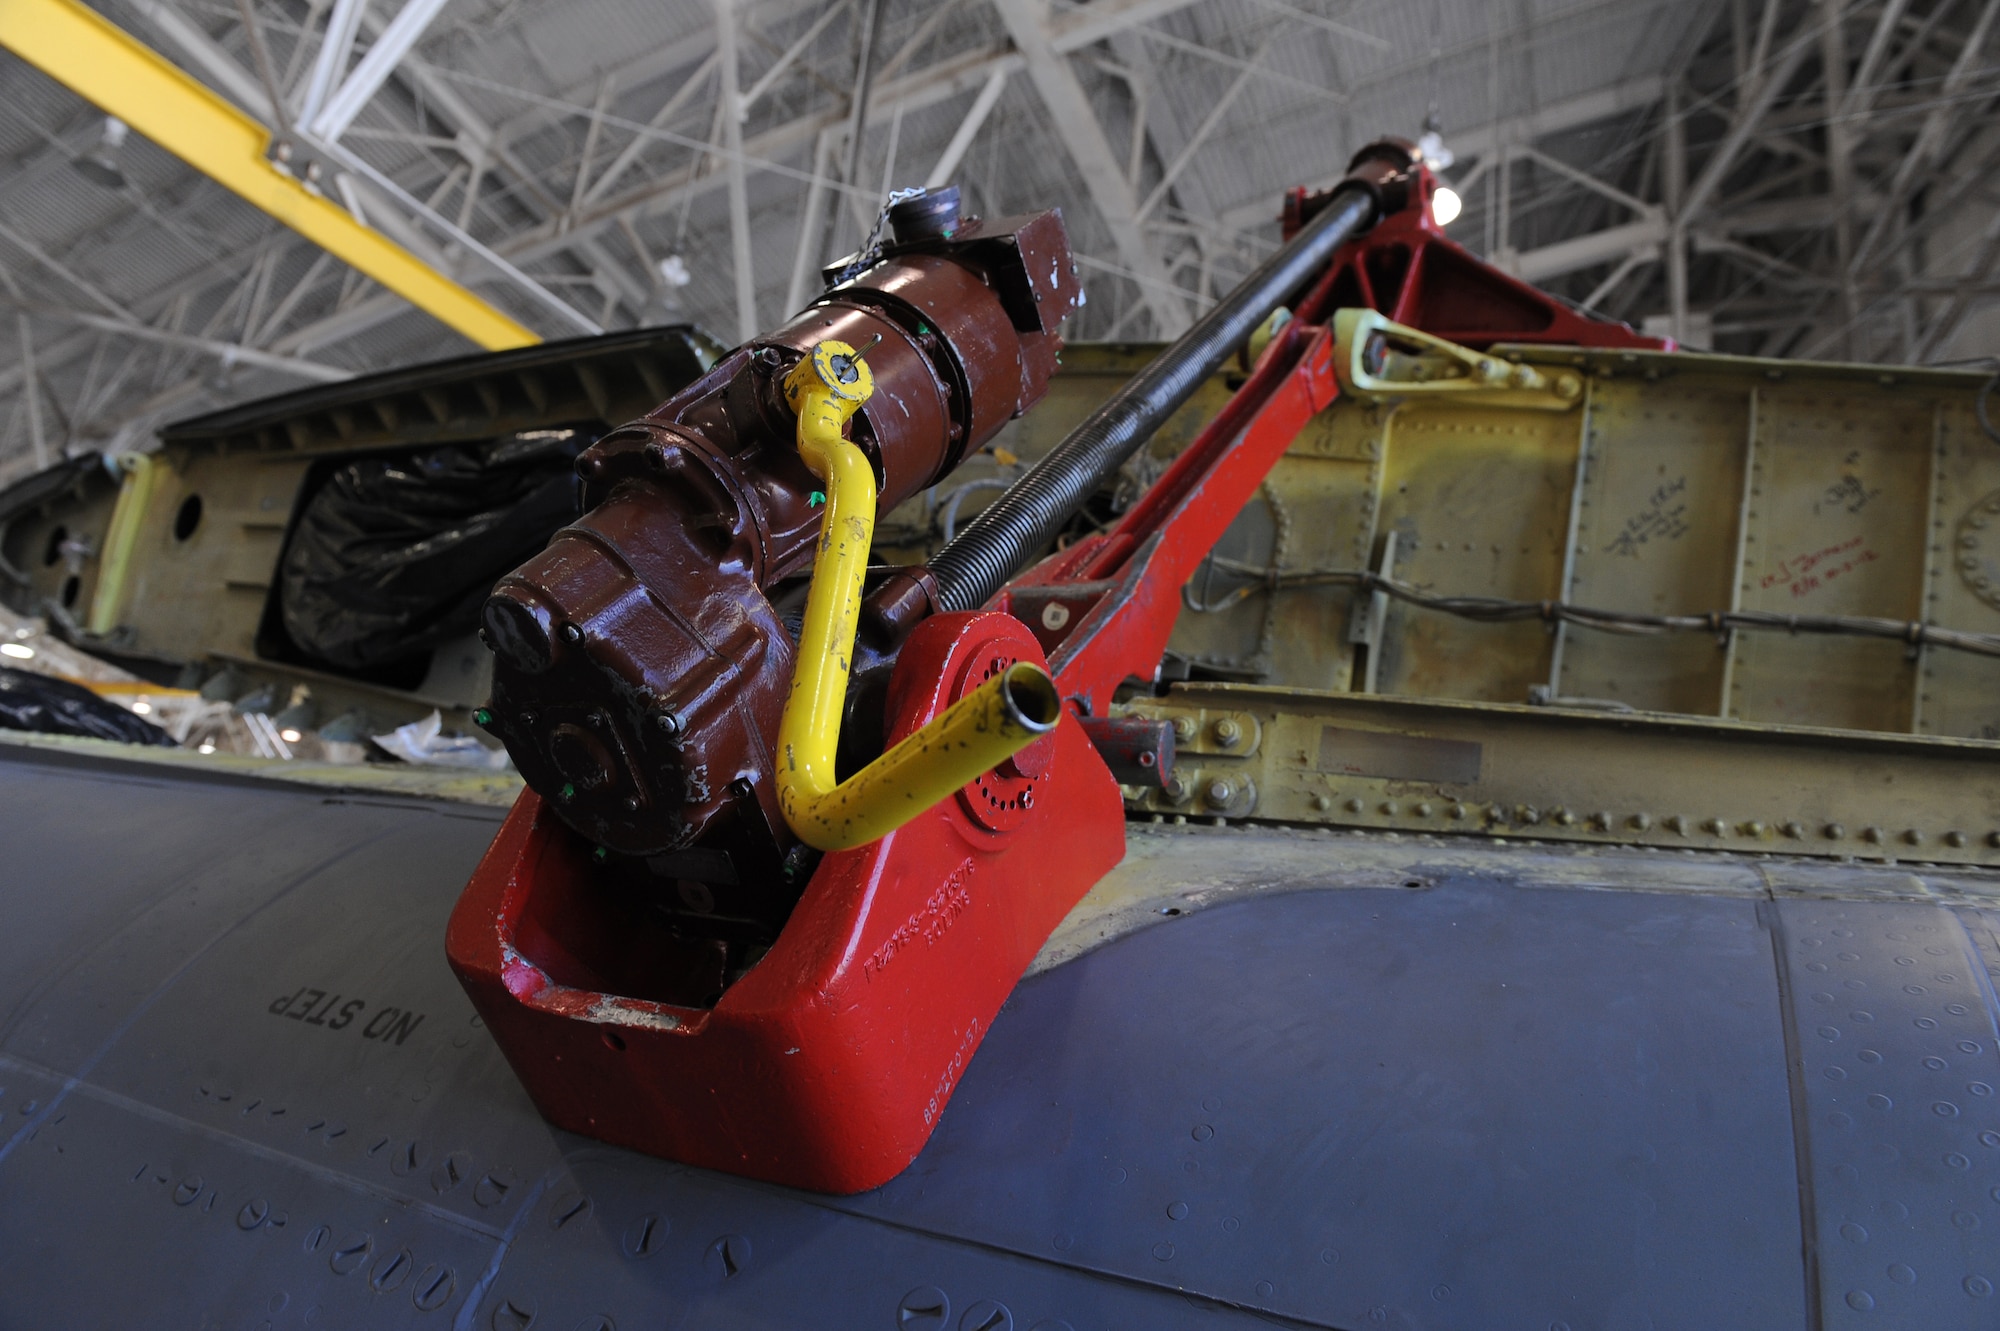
(1375,359)
(975,734)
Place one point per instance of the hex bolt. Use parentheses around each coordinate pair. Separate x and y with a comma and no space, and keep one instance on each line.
(1228,732)
(1178,789)
(1184,728)
(1219,793)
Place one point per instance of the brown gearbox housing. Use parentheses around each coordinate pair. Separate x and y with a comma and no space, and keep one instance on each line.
(641,666)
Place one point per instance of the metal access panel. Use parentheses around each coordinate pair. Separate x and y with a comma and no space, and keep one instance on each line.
(1679,483)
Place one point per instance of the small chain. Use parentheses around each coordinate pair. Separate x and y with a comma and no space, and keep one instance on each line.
(871,248)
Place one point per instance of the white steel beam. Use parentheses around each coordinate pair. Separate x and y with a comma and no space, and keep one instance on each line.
(1076,124)
(368,77)
(731,103)
(331,62)
(31,390)
(968,129)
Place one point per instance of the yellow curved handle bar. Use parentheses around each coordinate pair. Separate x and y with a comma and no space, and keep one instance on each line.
(978,732)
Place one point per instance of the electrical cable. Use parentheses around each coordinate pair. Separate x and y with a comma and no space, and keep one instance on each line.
(1498,610)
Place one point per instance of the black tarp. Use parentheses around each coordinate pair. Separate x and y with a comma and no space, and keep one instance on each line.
(393,555)
(49,706)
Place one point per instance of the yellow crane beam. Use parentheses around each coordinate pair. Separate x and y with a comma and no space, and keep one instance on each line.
(106,66)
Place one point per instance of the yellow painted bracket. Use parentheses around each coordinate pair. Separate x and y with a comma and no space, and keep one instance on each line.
(103,64)
(975,734)
(121,538)
(1374,357)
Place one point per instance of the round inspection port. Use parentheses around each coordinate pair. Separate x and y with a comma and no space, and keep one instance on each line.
(187,517)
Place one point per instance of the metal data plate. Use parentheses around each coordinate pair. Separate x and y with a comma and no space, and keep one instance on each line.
(1335,1082)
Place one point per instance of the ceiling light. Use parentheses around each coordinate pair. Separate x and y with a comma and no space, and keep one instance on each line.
(17,651)
(100,165)
(290,736)
(1445,206)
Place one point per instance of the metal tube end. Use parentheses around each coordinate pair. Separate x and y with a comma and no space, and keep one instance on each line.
(1030,697)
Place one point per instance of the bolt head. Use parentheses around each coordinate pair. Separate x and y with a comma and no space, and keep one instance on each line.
(1640,821)
(1227,732)
(1322,803)
(1219,793)
(1954,838)
(1423,809)
(1834,831)
(1752,828)
(1793,830)
(1872,835)
(1184,728)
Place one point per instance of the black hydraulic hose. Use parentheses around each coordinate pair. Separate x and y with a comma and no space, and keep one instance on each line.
(1004,536)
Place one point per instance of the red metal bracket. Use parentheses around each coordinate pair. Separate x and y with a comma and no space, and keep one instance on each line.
(827,1064)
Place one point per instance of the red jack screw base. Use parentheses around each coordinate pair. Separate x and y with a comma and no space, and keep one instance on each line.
(827,1065)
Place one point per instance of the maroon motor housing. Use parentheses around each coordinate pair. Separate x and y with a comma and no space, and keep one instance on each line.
(641,666)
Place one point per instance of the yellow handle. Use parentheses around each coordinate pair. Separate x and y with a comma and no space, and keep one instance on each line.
(979,731)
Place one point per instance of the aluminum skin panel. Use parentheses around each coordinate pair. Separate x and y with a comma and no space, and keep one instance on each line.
(239,1087)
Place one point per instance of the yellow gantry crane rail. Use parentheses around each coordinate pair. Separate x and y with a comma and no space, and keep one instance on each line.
(103,64)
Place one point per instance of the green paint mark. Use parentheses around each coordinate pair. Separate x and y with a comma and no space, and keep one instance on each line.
(568,792)
(600,854)
(482,718)
(815,499)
